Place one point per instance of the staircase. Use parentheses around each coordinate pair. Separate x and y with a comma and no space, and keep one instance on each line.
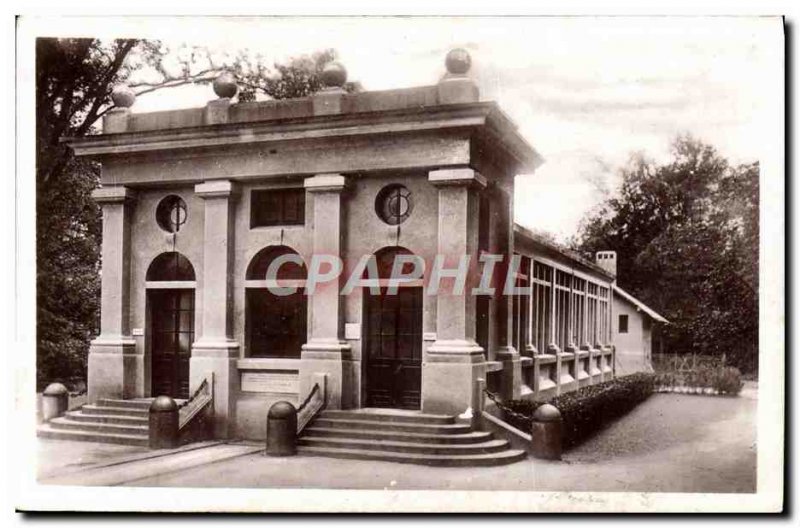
(110,421)
(409,437)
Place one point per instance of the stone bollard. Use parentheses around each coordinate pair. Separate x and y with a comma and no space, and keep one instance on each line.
(55,401)
(282,429)
(163,423)
(546,432)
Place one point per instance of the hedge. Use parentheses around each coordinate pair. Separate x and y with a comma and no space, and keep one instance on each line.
(587,410)
(701,380)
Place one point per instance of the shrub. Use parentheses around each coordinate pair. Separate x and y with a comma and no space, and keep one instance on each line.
(587,410)
(727,380)
(666,380)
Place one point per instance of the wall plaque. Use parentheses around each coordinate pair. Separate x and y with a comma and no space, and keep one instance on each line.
(280,382)
(352,331)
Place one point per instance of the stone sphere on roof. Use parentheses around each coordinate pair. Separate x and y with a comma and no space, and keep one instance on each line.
(55,389)
(225,85)
(333,75)
(546,413)
(458,61)
(122,96)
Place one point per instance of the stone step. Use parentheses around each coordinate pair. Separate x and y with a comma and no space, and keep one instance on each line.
(67,423)
(389,416)
(107,418)
(115,411)
(331,423)
(472,437)
(47,431)
(491,446)
(484,459)
(128,404)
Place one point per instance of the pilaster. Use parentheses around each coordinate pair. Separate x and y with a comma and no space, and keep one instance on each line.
(454,361)
(326,351)
(511,380)
(215,350)
(114,365)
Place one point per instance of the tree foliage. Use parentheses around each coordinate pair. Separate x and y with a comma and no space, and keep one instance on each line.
(686,234)
(74,79)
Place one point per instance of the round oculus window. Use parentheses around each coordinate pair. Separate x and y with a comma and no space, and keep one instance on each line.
(171,213)
(394,204)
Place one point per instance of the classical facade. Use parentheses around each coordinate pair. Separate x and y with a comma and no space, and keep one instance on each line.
(199,204)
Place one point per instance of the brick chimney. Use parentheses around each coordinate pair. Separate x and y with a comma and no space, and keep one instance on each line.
(607,260)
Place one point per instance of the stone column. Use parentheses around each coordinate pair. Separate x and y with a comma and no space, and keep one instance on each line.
(530,377)
(215,351)
(454,361)
(326,351)
(511,381)
(530,347)
(586,343)
(554,348)
(596,350)
(114,365)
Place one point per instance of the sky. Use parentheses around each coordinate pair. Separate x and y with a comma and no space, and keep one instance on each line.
(586,92)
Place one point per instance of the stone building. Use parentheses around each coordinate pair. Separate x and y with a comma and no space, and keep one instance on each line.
(637,333)
(636,328)
(198,203)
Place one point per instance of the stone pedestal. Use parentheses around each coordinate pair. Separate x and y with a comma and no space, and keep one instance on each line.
(215,351)
(565,369)
(116,121)
(114,365)
(326,350)
(450,371)
(454,89)
(324,357)
(545,376)
(219,359)
(511,380)
(113,368)
(328,101)
(595,360)
(217,112)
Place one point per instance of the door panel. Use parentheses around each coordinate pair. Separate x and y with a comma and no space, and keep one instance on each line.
(172,317)
(394,348)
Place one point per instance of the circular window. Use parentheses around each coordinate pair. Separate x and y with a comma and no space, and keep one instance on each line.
(394,204)
(171,213)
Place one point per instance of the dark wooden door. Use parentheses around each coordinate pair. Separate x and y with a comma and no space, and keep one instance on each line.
(394,348)
(172,318)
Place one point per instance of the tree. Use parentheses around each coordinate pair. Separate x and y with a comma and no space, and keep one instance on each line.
(74,80)
(686,234)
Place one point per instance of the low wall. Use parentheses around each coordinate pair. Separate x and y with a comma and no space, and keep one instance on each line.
(545,376)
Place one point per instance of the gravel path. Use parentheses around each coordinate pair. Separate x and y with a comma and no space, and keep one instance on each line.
(668,421)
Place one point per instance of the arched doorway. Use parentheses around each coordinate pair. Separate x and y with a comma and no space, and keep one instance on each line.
(393,339)
(170,284)
(275,325)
